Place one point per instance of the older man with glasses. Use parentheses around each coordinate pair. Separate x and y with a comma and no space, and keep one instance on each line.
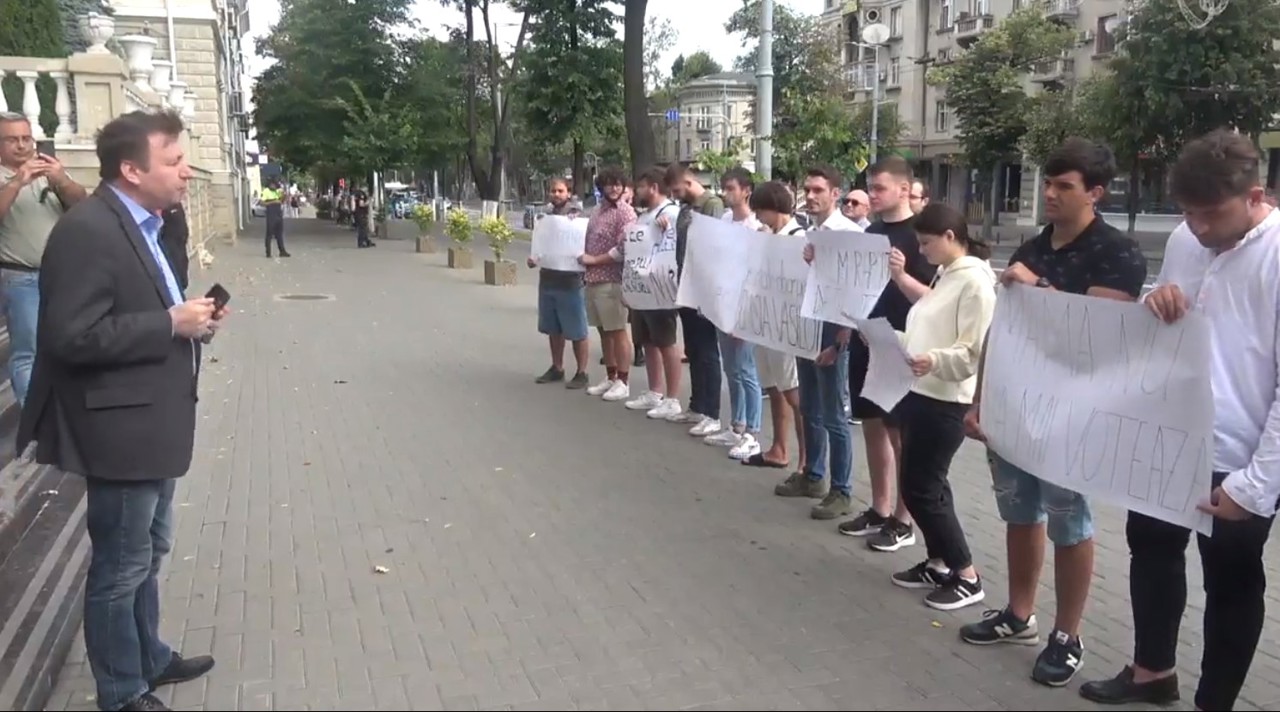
(857,207)
(34,192)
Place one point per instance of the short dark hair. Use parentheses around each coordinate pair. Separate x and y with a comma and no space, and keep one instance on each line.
(562,181)
(774,195)
(653,176)
(1220,165)
(895,166)
(1094,161)
(829,173)
(676,172)
(611,175)
(924,188)
(937,218)
(128,138)
(739,175)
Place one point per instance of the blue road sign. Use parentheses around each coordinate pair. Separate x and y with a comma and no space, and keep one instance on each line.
(673,115)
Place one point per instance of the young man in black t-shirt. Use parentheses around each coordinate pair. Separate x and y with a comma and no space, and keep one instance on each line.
(1080,254)
(887,524)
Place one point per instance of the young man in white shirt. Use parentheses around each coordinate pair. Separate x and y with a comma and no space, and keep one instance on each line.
(655,329)
(1224,262)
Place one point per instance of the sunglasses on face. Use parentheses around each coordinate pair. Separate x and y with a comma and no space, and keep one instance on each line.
(851,202)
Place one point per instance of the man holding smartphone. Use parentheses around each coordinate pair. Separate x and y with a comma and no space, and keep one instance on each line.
(34,192)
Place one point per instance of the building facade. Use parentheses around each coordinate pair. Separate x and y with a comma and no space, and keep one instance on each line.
(712,113)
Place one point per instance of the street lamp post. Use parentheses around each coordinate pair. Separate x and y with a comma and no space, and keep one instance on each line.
(764,93)
(875,35)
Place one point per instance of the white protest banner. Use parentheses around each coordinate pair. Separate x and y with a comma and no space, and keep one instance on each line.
(889,376)
(769,306)
(649,269)
(558,240)
(848,273)
(1100,397)
(716,261)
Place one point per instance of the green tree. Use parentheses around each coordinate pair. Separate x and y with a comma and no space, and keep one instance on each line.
(798,40)
(378,134)
(323,50)
(32,28)
(697,65)
(984,89)
(489,75)
(434,89)
(718,162)
(572,69)
(889,126)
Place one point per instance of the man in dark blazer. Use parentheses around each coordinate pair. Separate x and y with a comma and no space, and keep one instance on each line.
(113,395)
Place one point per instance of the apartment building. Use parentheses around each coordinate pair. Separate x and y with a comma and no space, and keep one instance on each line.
(712,113)
(924,33)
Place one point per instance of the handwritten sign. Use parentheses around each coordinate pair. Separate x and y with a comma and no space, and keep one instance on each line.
(849,271)
(717,259)
(771,297)
(558,241)
(889,376)
(1100,397)
(649,271)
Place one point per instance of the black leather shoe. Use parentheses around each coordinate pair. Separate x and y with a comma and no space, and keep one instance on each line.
(146,703)
(182,669)
(1122,690)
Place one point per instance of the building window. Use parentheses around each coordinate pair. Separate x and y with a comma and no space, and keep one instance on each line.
(1105,42)
(895,22)
(704,121)
(981,7)
(705,145)
(942,117)
(944,15)
(688,147)
(895,71)
(944,55)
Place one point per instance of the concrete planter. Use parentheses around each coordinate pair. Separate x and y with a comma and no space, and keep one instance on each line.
(500,274)
(426,244)
(460,258)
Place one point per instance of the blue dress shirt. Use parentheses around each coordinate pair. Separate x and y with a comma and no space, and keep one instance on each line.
(150,223)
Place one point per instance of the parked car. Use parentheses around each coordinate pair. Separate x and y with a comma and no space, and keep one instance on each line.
(258,210)
(532,212)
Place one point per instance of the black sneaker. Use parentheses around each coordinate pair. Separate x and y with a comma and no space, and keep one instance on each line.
(1122,690)
(1059,661)
(921,576)
(865,524)
(552,375)
(894,535)
(955,593)
(146,703)
(1001,627)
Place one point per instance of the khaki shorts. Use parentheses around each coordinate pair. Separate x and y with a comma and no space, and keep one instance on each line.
(604,306)
(776,369)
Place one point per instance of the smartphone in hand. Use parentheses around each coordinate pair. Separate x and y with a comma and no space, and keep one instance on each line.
(220,297)
(46,148)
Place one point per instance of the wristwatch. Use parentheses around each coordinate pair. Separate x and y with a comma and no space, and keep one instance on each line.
(1043,283)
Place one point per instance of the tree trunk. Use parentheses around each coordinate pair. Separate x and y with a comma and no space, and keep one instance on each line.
(579,170)
(636,103)
(478,175)
(1135,189)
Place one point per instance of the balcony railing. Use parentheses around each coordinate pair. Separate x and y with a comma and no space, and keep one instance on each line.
(968,28)
(1061,9)
(1053,70)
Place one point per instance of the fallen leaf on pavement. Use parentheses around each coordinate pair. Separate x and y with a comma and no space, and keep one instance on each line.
(381,570)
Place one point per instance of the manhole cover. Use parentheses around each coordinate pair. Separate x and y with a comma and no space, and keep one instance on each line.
(305,297)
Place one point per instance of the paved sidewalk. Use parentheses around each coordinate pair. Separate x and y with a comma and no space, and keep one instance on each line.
(541,549)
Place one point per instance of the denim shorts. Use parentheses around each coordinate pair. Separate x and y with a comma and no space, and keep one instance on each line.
(1023,498)
(562,312)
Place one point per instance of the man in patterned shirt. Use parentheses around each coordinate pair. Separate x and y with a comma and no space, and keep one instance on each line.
(606,230)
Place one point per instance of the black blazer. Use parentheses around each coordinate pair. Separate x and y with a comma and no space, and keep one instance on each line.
(173,238)
(113,392)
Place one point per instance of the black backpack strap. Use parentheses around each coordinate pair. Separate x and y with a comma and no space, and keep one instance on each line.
(794,230)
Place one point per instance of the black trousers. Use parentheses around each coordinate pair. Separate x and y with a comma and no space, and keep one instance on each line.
(1235,585)
(275,229)
(702,346)
(932,432)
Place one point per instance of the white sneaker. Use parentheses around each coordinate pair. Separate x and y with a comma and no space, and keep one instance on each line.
(724,438)
(689,417)
(746,447)
(648,401)
(705,427)
(600,388)
(669,410)
(618,391)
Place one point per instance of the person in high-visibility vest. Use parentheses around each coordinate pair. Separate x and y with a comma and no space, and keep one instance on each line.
(273,198)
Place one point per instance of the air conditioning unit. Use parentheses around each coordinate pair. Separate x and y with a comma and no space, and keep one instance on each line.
(1086,36)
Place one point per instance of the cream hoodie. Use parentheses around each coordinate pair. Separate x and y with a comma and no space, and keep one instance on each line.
(949,323)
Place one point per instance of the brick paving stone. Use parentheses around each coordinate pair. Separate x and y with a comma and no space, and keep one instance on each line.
(542,549)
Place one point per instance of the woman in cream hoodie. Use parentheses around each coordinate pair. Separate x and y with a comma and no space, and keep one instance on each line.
(944,335)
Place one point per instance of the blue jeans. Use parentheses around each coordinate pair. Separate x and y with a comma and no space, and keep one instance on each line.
(563,312)
(822,391)
(130,530)
(21,309)
(1023,498)
(739,359)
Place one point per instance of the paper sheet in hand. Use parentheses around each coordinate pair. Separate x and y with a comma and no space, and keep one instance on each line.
(848,274)
(649,269)
(558,241)
(717,259)
(889,376)
(1100,397)
(769,307)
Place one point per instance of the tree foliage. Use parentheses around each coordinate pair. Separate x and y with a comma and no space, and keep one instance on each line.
(984,84)
(695,66)
(32,28)
(378,133)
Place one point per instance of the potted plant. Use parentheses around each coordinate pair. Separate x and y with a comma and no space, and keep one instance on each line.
(425,217)
(458,229)
(498,271)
